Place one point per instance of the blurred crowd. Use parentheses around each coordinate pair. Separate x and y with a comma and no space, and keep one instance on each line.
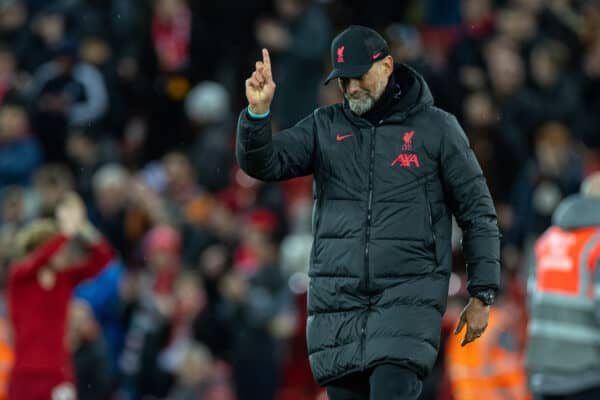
(133,104)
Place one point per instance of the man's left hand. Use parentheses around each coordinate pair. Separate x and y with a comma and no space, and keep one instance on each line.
(475,315)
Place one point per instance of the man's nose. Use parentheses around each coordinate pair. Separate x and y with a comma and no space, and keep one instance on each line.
(353,86)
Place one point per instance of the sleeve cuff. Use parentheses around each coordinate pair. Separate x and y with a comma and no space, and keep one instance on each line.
(479,288)
(258,116)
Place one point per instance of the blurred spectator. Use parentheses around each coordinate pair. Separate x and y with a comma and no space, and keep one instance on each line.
(146,209)
(507,78)
(298,37)
(209,327)
(51,181)
(478,21)
(259,310)
(85,158)
(188,301)
(549,83)
(13,16)
(95,50)
(188,304)
(52,260)
(90,359)
(20,152)
(168,58)
(104,295)
(110,186)
(200,377)
(171,33)
(181,183)
(208,108)
(152,307)
(161,247)
(66,92)
(554,173)
(45,33)
(495,153)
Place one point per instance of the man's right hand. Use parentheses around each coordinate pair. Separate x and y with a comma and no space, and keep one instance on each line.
(260,87)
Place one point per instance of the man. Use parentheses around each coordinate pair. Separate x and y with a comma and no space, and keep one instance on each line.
(563,350)
(389,169)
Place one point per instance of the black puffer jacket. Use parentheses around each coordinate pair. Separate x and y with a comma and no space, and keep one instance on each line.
(384,196)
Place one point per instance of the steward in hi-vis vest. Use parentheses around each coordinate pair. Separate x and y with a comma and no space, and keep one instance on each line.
(563,354)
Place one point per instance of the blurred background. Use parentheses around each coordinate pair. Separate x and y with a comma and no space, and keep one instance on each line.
(133,104)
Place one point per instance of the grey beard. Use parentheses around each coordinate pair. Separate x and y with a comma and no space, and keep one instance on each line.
(359,107)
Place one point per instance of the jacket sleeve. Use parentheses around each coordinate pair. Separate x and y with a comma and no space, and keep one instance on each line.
(469,198)
(100,254)
(29,266)
(287,154)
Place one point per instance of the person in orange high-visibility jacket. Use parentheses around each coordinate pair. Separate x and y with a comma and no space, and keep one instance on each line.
(493,367)
(6,358)
(563,348)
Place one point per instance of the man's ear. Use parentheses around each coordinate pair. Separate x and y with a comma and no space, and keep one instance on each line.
(389,65)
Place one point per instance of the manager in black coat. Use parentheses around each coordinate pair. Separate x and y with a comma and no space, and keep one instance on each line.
(389,170)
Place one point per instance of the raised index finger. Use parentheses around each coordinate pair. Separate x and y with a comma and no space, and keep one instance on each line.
(266,63)
(266,58)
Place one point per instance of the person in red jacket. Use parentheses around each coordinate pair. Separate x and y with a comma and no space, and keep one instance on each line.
(57,256)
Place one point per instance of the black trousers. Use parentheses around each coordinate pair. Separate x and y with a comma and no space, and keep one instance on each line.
(384,382)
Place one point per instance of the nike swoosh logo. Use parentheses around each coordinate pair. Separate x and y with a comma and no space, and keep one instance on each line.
(339,138)
(376,56)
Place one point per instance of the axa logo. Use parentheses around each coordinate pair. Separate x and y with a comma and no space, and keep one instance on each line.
(339,137)
(408,140)
(406,160)
(340,54)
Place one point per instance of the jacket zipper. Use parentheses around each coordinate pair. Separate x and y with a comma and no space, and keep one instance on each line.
(367,238)
(369,208)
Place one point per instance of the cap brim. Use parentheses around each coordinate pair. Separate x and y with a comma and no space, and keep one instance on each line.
(354,71)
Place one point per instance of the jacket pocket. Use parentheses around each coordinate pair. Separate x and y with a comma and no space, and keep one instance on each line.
(430,238)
